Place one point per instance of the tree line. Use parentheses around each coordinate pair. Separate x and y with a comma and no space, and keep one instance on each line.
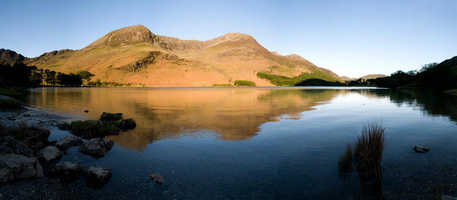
(21,75)
(434,75)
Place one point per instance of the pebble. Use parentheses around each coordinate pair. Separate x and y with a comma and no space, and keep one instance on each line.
(157,178)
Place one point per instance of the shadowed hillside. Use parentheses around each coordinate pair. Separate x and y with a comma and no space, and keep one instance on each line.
(442,76)
(136,55)
(8,57)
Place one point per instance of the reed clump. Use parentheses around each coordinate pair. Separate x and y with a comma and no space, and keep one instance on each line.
(368,151)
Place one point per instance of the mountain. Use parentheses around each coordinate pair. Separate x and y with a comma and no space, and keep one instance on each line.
(372,76)
(8,57)
(136,55)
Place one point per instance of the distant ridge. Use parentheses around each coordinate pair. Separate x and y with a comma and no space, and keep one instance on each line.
(372,76)
(136,55)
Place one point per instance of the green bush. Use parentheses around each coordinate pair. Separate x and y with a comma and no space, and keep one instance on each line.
(244,83)
(84,74)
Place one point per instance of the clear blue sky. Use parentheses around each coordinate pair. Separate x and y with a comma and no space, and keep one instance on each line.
(350,37)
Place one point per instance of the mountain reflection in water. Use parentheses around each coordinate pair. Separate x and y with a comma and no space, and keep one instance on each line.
(270,143)
(231,113)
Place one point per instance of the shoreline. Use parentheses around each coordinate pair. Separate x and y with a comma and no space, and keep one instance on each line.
(32,116)
(35,188)
(32,146)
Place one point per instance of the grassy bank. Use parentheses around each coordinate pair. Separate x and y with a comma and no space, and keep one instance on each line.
(316,77)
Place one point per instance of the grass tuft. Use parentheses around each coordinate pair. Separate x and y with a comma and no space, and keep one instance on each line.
(368,151)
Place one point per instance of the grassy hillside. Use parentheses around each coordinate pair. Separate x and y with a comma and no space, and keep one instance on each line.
(318,77)
(135,55)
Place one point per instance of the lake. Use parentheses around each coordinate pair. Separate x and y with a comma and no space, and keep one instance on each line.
(264,143)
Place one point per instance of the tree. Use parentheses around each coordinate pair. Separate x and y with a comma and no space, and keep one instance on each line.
(68,79)
(85,75)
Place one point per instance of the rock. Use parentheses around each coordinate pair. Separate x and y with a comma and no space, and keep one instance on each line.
(127,124)
(8,145)
(97,147)
(68,171)
(97,176)
(50,153)
(15,167)
(68,141)
(93,128)
(421,149)
(157,178)
(35,137)
(111,116)
(64,126)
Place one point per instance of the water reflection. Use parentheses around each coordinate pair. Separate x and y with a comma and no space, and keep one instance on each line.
(291,159)
(432,102)
(233,114)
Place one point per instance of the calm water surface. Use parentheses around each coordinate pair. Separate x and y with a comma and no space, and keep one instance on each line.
(264,143)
